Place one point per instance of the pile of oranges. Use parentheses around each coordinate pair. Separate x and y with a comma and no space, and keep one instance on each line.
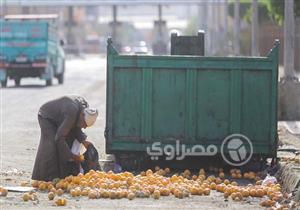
(157,183)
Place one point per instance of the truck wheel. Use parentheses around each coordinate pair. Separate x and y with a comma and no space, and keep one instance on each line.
(49,82)
(60,78)
(17,81)
(4,83)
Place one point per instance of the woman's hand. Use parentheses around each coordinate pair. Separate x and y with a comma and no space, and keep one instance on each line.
(78,158)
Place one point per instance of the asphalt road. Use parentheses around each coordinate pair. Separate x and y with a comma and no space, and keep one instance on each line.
(20,137)
(20,105)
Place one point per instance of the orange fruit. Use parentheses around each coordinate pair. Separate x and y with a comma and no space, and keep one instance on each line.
(218,180)
(112,195)
(234,183)
(81,158)
(202,171)
(226,194)
(164,192)
(3,192)
(220,187)
(84,192)
(200,191)
(73,193)
(50,186)
(226,181)
(156,194)
(35,183)
(59,192)
(213,186)
(42,186)
(260,193)
(253,192)
(167,170)
(238,196)
(194,177)
(61,202)
(234,175)
(222,175)
(259,182)
(267,203)
(245,193)
(206,191)
(51,195)
(76,180)
(26,197)
(92,194)
(53,190)
(131,196)
(194,191)
(180,194)
(149,172)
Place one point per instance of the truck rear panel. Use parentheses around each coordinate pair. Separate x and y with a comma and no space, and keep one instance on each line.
(25,44)
(192,99)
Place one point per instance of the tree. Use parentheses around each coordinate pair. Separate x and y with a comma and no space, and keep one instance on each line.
(267,10)
(276,9)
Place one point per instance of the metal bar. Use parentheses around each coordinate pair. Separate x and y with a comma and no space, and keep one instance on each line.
(196,63)
(235,103)
(191,95)
(146,128)
(109,78)
(99,2)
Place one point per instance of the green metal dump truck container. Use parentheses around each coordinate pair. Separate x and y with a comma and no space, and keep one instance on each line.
(29,47)
(158,102)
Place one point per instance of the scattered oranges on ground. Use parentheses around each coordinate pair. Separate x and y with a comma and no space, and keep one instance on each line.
(157,183)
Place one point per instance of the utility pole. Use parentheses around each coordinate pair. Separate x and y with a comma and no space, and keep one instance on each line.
(202,19)
(225,18)
(254,30)
(114,23)
(289,40)
(289,86)
(236,26)
(160,33)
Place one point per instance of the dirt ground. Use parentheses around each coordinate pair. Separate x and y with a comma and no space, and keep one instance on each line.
(20,138)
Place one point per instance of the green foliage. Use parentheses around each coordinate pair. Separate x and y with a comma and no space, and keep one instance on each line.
(267,10)
(276,9)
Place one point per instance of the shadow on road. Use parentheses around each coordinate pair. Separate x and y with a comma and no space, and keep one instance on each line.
(28,86)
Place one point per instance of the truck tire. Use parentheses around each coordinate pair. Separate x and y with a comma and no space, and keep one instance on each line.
(17,81)
(4,83)
(60,78)
(49,82)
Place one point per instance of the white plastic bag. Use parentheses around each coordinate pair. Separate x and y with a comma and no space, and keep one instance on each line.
(269,179)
